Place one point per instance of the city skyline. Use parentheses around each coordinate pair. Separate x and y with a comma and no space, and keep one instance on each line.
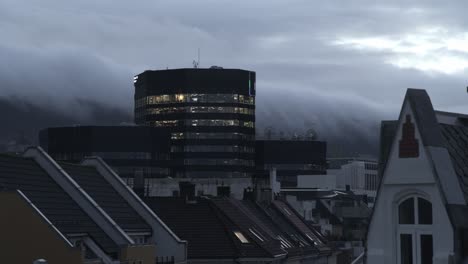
(343,67)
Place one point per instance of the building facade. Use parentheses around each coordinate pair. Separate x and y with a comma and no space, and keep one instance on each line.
(129,150)
(421,207)
(290,158)
(210,114)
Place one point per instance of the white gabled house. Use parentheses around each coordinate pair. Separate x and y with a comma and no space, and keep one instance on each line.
(421,212)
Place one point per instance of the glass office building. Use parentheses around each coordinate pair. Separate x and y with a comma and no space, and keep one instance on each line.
(210,114)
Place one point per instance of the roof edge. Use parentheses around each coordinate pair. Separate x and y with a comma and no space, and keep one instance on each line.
(87,204)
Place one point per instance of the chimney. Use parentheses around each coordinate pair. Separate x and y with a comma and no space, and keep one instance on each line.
(249,194)
(187,190)
(139,183)
(266,195)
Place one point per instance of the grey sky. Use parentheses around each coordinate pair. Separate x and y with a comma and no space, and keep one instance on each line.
(318,63)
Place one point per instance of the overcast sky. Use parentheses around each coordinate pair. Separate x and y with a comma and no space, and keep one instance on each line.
(318,63)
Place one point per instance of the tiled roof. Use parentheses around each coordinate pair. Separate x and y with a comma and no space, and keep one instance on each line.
(294,219)
(277,226)
(266,246)
(209,225)
(456,138)
(425,117)
(106,197)
(26,175)
(199,224)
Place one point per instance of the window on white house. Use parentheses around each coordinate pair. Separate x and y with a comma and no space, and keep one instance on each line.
(406,212)
(406,248)
(415,231)
(424,212)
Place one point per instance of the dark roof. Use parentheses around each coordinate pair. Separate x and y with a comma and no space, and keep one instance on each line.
(425,117)
(199,224)
(106,197)
(289,213)
(456,138)
(388,131)
(209,224)
(266,245)
(64,213)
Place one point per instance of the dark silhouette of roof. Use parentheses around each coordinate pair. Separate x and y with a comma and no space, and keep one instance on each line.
(209,224)
(456,138)
(63,212)
(106,197)
(200,224)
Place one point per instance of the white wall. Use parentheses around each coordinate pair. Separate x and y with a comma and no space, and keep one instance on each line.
(407,176)
(317,181)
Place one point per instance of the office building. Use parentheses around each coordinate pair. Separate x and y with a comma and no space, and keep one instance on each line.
(210,114)
(129,150)
(290,158)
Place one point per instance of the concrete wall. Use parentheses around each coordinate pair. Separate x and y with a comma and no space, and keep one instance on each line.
(317,181)
(144,253)
(26,236)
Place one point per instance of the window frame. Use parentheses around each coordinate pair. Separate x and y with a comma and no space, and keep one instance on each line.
(415,230)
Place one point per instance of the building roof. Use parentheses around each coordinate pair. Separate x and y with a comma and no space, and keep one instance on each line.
(451,134)
(26,175)
(106,197)
(199,224)
(209,226)
(456,140)
(425,117)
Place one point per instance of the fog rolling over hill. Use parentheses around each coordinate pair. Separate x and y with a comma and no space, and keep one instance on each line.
(347,131)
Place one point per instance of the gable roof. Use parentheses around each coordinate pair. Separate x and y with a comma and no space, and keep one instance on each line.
(26,175)
(106,197)
(199,224)
(456,142)
(452,136)
(208,224)
(425,117)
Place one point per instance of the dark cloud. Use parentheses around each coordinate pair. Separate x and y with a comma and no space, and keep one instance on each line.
(55,55)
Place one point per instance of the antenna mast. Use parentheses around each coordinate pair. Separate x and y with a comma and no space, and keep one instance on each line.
(196,63)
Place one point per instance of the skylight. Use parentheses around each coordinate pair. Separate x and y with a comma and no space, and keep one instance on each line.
(241,237)
(256,234)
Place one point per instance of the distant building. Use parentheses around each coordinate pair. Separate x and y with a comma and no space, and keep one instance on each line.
(341,216)
(69,213)
(210,114)
(421,211)
(129,150)
(353,174)
(290,158)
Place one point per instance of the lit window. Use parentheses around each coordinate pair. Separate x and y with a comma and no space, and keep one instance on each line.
(241,237)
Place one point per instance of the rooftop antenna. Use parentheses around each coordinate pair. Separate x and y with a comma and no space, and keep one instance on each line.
(196,63)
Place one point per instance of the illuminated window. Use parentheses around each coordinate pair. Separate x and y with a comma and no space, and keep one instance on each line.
(241,237)
(199,98)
